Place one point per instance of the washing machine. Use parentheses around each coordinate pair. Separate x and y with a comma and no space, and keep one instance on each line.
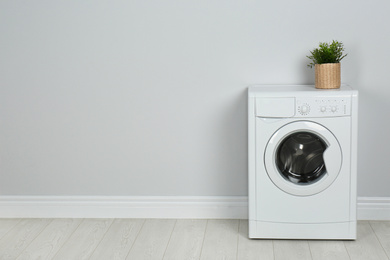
(302,162)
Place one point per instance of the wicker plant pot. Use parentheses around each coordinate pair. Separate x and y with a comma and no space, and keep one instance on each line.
(328,75)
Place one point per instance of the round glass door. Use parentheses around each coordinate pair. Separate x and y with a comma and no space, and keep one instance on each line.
(299,158)
(303,158)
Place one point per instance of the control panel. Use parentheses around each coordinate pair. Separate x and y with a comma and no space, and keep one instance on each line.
(323,106)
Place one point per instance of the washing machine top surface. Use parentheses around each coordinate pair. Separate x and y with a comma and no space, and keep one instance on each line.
(297,90)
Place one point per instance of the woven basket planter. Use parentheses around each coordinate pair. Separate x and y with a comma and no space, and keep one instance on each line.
(328,75)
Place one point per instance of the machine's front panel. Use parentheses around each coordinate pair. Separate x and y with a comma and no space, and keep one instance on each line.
(302,162)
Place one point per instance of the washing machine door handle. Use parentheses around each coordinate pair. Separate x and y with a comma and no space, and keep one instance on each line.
(333,160)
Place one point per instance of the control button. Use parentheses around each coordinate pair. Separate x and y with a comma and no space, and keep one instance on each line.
(304,109)
(334,109)
(323,109)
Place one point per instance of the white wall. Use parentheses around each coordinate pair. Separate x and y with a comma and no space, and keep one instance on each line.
(149,97)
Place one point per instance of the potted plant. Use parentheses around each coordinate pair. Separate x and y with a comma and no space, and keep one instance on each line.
(326,61)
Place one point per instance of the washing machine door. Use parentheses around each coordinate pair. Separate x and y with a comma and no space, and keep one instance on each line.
(303,158)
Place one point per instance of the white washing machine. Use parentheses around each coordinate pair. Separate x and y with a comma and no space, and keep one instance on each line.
(302,162)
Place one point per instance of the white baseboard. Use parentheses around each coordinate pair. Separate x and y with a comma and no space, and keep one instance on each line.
(224,207)
(373,208)
(212,207)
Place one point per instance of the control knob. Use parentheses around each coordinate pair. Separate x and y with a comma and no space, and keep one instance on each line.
(304,109)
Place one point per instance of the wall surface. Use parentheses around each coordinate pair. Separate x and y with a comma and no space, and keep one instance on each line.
(133,98)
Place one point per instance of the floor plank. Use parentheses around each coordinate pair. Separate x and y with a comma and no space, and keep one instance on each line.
(328,250)
(13,243)
(50,240)
(220,240)
(382,231)
(84,240)
(6,225)
(186,240)
(152,239)
(118,240)
(291,250)
(367,246)
(252,248)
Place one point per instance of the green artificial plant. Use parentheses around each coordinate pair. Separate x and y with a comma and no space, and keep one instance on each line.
(327,53)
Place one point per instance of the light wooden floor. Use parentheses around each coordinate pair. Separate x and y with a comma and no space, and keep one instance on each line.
(179,239)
